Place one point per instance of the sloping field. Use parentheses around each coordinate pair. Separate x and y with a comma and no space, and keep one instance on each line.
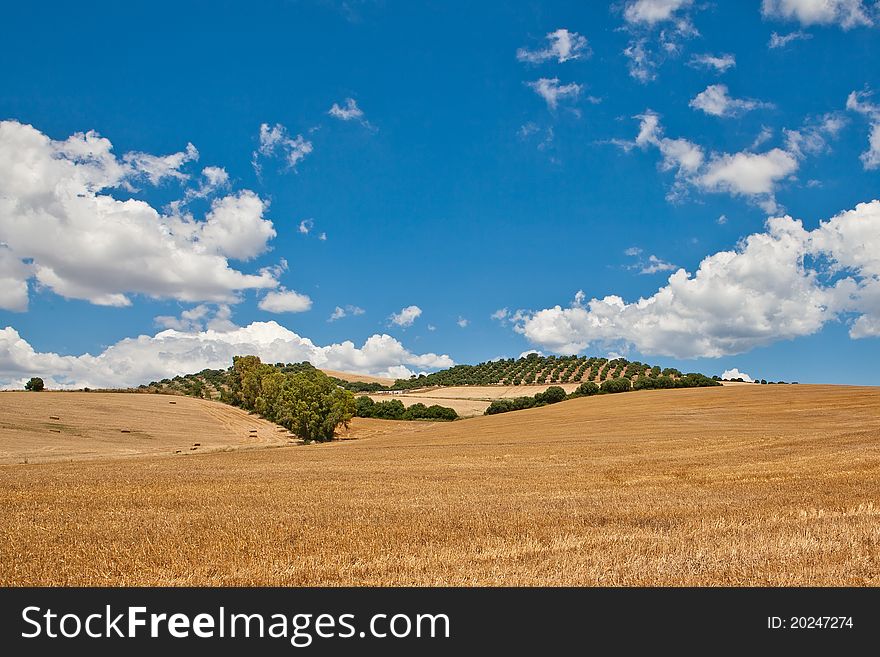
(737,485)
(52,426)
(359,378)
(469,401)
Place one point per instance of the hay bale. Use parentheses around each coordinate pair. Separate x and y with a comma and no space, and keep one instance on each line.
(172,402)
(125,430)
(55,430)
(54,417)
(197,444)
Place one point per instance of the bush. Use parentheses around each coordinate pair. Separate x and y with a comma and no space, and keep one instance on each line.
(35,384)
(364,406)
(615,385)
(587,389)
(393,409)
(552,395)
(644,383)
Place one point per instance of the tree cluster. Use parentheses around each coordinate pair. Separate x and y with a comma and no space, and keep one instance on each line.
(393,409)
(305,401)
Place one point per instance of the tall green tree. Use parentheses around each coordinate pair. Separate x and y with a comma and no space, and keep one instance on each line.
(313,406)
(35,384)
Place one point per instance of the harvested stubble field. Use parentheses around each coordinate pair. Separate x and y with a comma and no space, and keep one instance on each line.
(739,485)
(469,401)
(55,426)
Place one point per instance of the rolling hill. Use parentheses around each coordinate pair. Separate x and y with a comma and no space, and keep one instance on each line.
(736,485)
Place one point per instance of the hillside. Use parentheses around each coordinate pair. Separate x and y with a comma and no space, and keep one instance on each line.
(732,485)
(528,371)
(51,426)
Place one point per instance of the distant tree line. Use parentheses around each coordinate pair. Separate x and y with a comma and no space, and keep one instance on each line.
(555,394)
(393,409)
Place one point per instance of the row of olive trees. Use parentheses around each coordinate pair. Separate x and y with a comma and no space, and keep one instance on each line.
(307,402)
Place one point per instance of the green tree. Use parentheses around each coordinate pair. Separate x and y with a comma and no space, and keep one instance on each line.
(587,388)
(35,384)
(551,395)
(616,385)
(312,406)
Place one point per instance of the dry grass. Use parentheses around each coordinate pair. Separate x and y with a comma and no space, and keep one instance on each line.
(54,426)
(738,485)
(359,378)
(469,401)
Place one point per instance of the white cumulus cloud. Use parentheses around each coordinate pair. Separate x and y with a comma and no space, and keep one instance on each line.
(61,225)
(406,316)
(285,301)
(775,285)
(734,373)
(657,29)
(744,173)
(133,361)
(716,101)
(845,13)
(858,102)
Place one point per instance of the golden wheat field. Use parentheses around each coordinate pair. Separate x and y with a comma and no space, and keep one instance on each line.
(468,401)
(739,485)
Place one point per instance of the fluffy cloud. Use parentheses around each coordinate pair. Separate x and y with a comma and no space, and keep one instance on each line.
(719,63)
(734,373)
(275,142)
(716,101)
(552,92)
(14,275)
(651,12)
(845,13)
(857,103)
(406,316)
(57,215)
(657,29)
(745,173)
(749,174)
(198,318)
(285,301)
(563,46)
(134,361)
(776,285)
(463,322)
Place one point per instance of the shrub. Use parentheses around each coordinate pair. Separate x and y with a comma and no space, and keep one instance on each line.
(392,409)
(586,389)
(552,395)
(35,384)
(364,406)
(615,385)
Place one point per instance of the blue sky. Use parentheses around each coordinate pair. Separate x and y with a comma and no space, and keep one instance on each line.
(447,182)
